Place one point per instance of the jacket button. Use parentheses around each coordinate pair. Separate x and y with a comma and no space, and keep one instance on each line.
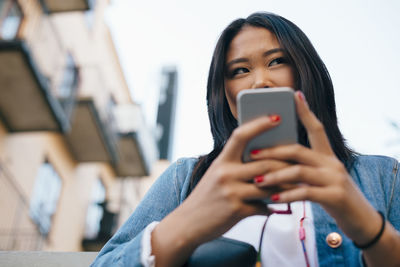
(334,240)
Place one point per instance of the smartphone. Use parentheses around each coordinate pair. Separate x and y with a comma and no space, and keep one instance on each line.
(253,103)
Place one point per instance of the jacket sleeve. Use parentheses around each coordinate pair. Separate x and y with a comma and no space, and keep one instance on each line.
(394,197)
(124,248)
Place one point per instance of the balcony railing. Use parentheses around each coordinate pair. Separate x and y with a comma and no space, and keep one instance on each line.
(26,103)
(38,78)
(55,6)
(68,87)
(55,63)
(93,134)
(137,148)
(90,138)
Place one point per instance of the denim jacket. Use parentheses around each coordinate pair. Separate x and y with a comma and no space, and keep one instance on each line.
(378,177)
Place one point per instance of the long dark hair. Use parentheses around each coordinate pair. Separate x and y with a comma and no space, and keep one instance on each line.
(311,77)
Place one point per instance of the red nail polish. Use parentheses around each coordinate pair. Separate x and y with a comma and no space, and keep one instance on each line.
(255,151)
(259,179)
(275,118)
(275,197)
(301,95)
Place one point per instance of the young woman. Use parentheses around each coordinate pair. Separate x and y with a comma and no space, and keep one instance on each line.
(335,193)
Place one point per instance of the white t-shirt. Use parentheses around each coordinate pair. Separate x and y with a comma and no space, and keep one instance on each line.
(281,242)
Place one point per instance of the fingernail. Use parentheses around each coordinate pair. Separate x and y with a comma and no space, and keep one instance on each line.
(275,197)
(259,179)
(301,95)
(275,118)
(255,151)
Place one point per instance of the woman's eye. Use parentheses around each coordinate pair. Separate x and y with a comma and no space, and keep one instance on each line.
(238,71)
(276,61)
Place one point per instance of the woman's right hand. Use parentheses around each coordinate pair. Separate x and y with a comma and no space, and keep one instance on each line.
(224,196)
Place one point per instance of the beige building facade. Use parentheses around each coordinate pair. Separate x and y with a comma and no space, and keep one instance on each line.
(75,154)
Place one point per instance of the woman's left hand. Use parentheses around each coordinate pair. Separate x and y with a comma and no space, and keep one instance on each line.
(320,177)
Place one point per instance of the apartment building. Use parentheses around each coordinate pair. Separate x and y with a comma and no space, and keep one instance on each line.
(75,153)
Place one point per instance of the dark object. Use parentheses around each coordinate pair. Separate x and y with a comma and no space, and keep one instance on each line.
(166,112)
(376,238)
(223,252)
(107,226)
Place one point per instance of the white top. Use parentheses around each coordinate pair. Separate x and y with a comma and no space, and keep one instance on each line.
(281,243)
(146,258)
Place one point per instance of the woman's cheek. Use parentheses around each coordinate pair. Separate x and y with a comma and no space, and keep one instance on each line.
(232,89)
(284,77)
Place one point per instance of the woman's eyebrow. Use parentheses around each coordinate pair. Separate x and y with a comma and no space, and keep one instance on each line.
(236,60)
(243,59)
(273,51)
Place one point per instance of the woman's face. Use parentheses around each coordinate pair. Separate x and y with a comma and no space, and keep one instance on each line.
(255,60)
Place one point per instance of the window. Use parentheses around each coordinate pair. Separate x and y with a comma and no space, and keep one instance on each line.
(10,19)
(95,211)
(45,197)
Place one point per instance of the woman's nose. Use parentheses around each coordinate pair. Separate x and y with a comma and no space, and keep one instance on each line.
(261,80)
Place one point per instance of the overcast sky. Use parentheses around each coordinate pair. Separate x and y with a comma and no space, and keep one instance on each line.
(359,41)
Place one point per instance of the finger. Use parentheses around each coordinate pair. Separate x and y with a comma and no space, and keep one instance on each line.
(247,192)
(315,130)
(315,194)
(297,174)
(250,170)
(293,153)
(243,134)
